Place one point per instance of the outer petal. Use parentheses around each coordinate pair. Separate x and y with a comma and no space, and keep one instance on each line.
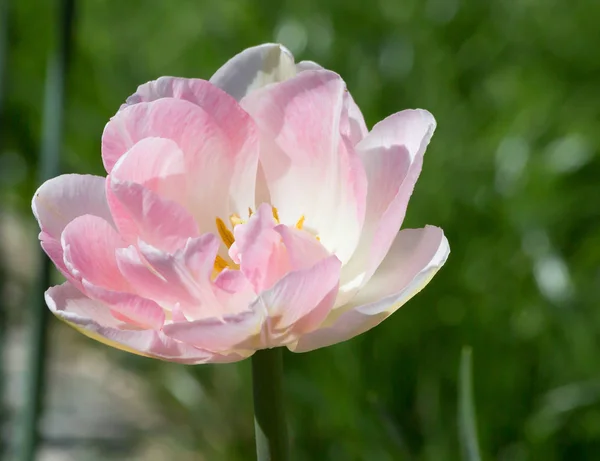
(234,332)
(94,320)
(310,167)
(254,68)
(53,249)
(393,156)
(130,308)
(296,304)
(60,200)
(89,245)
(415,257)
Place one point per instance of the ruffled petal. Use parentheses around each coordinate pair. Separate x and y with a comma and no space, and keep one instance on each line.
(300,301)
(239,332)
(258,250)
(93,319)
(186,275)
(415,257)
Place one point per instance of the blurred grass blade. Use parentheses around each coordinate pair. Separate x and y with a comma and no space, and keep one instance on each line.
(4,11)
(467,424)
(49,163)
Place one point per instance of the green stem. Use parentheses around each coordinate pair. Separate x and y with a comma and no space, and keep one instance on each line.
(269,416)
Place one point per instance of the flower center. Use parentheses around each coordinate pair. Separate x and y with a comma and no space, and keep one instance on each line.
(228,238)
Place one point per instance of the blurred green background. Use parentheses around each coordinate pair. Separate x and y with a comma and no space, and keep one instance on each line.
(512,176)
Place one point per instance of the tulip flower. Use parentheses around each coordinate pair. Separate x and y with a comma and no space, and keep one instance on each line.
(251,211)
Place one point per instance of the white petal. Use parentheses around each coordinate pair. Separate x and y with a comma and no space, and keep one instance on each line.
(254,68)
(415,257)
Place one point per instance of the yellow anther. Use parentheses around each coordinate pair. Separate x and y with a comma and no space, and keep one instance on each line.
(226,234)
(275,214)
(250,212)
(235,219)
(220,263)
(300,223)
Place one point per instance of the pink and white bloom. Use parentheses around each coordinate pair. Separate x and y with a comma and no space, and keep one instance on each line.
(251,211)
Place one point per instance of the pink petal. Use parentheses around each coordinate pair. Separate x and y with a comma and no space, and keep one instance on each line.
(181,121)
(309,163)
(254,68)
(140,213)
(157,164)
(357,128)
(187,274)
(94,319)
(233,121)
(133,309)
(219,144)
(60,200)
(300,301)
(147,282)
(233,291)
(223,335)
(54,250)
(199,92)
(89,244)
(415,257)
(393,155)
(259,250)
(303,249)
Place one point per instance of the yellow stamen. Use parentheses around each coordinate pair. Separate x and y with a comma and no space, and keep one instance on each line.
(300,223)
(220,263)
(226,234)
(275,214)
(250,212)
(235,219)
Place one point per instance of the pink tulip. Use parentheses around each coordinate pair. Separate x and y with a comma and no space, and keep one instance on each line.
(251,211)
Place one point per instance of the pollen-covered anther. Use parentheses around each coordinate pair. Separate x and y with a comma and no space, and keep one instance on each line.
(225,233)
